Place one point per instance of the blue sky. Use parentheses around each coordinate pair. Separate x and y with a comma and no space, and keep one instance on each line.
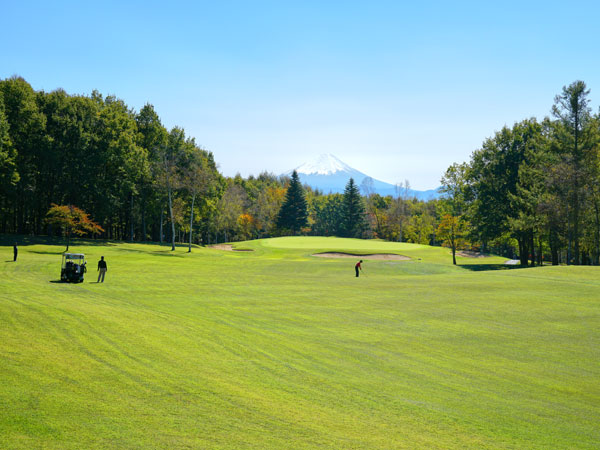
(398,90)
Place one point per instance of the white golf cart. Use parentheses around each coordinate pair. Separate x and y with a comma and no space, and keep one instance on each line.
(73,267)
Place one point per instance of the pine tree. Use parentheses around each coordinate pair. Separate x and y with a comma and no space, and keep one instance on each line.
(353,212)
(293,214)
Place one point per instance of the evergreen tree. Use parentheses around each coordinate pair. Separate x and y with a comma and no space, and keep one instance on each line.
(573,112)
(353,212)
(293,214)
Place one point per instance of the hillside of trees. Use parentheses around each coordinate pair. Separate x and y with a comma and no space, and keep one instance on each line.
(531,190)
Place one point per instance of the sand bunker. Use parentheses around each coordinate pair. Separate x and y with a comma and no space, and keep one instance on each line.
(470,254)
(229,248)
(386,256)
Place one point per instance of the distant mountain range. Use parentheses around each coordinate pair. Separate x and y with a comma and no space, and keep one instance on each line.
(329,174)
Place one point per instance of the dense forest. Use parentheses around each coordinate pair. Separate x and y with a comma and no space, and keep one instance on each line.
(531,190)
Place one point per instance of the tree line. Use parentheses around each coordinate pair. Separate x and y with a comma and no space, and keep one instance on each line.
(533,190)
(140,181)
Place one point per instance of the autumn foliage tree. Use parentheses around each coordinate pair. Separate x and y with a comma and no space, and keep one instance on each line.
(72,220)
(247,225)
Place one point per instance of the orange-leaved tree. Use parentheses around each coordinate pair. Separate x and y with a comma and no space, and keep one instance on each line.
(72,220)
(247,225)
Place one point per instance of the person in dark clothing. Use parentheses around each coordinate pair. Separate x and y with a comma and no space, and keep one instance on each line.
(101,269)
(15,252)
(358,267)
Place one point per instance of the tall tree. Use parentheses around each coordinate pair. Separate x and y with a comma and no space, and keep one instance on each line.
(293,214)
(152,137)
(8,168)
(353,212)
(26,131)
(572,110)
(197,177)
(171,154)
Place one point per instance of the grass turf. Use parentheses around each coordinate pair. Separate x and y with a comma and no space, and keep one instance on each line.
(275,348)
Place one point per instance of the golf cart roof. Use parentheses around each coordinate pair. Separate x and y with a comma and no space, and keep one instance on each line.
(73,255)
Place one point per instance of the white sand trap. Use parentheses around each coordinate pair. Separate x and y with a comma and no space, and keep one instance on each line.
(386,256)
(229,248)
(470,254)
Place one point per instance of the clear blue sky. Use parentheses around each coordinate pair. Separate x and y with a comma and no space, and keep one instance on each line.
(398,90)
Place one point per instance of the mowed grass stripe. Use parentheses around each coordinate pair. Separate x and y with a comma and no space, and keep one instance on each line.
(277,349)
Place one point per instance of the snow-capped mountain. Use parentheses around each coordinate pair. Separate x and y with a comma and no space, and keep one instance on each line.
(329,174)
(325,164)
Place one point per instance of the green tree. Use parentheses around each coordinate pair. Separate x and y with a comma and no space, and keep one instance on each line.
(354,221)
(328,215)
(452,206)
(293,214)
(451,230)
(26,132)
(526,220)
(573,112)
(8,168)
(152,136)
(198,178)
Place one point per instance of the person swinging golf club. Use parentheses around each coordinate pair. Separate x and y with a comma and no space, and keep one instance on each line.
(358,267)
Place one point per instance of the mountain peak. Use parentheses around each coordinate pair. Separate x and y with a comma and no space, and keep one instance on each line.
(324,164)
(329,174)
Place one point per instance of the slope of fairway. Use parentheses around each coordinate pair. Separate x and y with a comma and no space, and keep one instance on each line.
(275,348)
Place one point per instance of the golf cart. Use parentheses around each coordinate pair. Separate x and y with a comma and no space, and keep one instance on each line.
(73,267)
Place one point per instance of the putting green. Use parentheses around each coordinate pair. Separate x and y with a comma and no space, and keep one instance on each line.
(276,348)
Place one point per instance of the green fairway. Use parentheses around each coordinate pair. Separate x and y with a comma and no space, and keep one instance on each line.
(275,348)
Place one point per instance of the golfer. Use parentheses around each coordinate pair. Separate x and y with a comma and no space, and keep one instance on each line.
(101,269)
(358,267)
(15,252)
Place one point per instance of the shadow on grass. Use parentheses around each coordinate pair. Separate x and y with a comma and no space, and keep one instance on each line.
(26,240)
(485,267)
(66,282)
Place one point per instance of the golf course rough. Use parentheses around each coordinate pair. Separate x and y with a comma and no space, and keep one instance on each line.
(275,348)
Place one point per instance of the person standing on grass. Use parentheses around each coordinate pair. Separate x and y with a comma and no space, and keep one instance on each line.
(101,269)
(15,252)
(358,267)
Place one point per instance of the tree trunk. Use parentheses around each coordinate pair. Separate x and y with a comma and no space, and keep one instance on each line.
(597,233)
(523,253)
(131,218)
(577,255)
(553,240)
(191,222)
(532,247)
(453,252)
(161,226)
(143,225)
(172,222)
